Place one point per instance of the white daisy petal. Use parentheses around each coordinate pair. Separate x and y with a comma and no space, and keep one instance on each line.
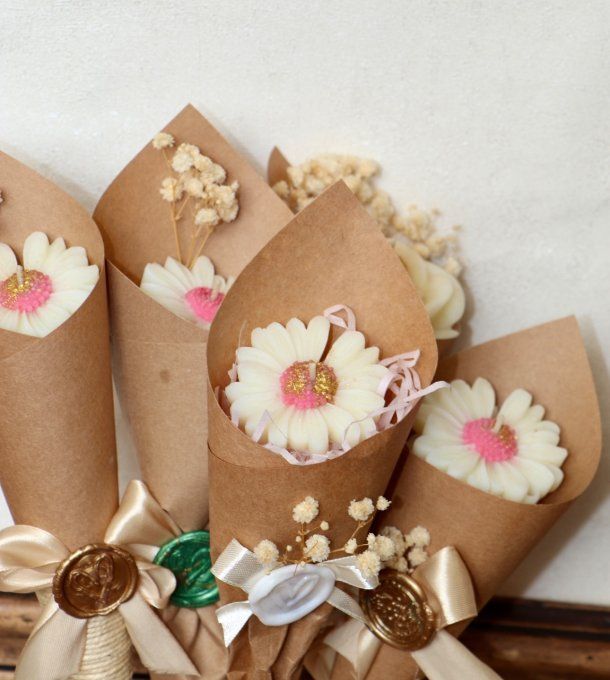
(515,406)
(317,337)
(276,341)
(8,262)
(203,272)
(317,431)
(35,248)
(345,349)
(298,334)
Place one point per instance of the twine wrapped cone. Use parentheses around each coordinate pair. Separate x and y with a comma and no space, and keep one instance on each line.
(58,469)
(331,253)
(491,534)
(159,358)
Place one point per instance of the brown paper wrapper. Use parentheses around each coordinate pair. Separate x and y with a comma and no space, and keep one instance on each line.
(331,253)
(58,468)
(494,535)
(277,165)
(159,359)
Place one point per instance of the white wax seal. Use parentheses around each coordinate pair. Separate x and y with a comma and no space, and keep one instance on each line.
(289,593)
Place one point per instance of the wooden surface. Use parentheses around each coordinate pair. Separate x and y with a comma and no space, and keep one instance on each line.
(520,639)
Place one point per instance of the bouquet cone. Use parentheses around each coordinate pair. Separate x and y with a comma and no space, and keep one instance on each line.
(277,167)
(159,358)
(59,470)
(331,253)
(58,467)
(491,534)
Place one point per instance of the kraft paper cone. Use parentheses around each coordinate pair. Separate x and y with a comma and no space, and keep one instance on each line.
(160,358)
(331,253)
(58,469)
(491,534)
(277,166)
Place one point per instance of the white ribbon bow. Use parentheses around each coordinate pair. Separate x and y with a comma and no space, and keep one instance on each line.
(238,567)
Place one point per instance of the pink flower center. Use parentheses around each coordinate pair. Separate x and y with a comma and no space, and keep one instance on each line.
(493,443)
(204,302)
(25,291)
(307,384)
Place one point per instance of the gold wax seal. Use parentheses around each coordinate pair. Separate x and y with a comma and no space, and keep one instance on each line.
(95,580)
(398,612)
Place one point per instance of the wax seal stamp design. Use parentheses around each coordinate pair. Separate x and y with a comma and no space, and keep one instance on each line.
(398,612)
(95,580)
(188,557)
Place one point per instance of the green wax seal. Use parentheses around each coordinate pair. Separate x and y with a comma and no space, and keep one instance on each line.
(188,557)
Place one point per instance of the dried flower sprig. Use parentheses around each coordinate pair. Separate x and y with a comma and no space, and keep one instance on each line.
(410,550)
(307,181)
(315,547)
(198,184)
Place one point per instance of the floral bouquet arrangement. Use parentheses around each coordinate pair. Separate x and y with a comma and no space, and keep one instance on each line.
(495,460)
(179,224)
(87,560)
(308,413)
(429,256)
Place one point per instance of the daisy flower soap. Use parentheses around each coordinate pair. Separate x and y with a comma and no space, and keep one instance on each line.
(52,283)
(193,293)
(440,291)
(510,452)
(314,399)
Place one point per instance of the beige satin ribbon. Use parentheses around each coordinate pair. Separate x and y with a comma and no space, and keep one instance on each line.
(238,567)
(448,586)
(29,558)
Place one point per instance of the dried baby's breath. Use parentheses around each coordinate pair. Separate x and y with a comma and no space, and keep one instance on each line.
(307,181)
(316,547)
(267,553)
(420,536)
(196,194)
(369,563)
(305,511)
(382,503)
(361,510)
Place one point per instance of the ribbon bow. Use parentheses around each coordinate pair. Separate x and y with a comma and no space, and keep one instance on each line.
(29,562)
(238,567)
(446,582)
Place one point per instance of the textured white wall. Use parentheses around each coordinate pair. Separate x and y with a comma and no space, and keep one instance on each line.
(496,112)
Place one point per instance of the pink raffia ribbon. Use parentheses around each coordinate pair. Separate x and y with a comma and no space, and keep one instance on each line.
(402,384)
(29,558)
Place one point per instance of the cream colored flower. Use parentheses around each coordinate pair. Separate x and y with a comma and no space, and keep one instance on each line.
(182,161)
(267,553)
(162,140)
(420,536)
(306,511)
(194,294)
(171,190)
(325,526)
(351,546)
(512,452)
(399,564)
(317,548)
(361,510)
(417,556)
(382,545)
(441,293)
(52,284)
(397,538)
(382,503)
(207,217)
(369,563)
(315,399)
